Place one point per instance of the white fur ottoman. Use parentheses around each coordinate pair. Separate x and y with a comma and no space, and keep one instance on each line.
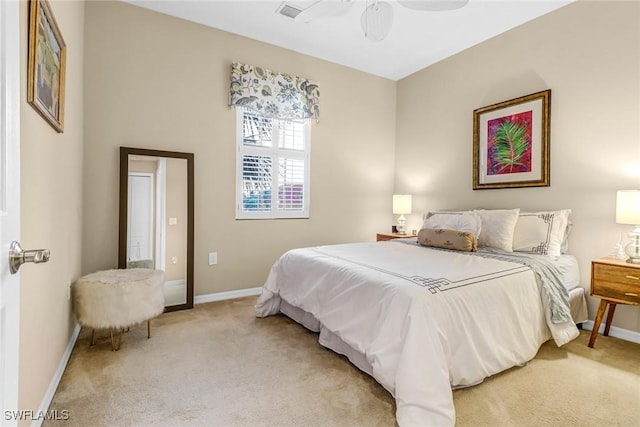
(117,299)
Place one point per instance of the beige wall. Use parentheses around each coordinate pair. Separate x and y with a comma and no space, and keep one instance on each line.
(588,54)
(144,166)
(51,206)
(153,81)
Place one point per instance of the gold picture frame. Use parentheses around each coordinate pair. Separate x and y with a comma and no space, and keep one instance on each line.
(46,66)
(511,143)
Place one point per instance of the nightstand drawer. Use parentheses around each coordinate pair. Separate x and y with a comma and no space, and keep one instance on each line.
(618,274)
(616,282)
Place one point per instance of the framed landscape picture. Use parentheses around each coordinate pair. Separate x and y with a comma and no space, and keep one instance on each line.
(46,68)
(511,143)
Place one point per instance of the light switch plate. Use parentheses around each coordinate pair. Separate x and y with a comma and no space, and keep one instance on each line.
(213,258)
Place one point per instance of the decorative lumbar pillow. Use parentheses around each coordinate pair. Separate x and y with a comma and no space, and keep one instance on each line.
(541,232)
(448,239)
(498,226)
(467,221)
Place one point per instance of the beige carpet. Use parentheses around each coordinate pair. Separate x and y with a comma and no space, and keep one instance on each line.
(217,365)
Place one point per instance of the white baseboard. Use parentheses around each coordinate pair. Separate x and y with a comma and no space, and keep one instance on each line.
(53,386)
(221,296)
(623,334)
(174,282)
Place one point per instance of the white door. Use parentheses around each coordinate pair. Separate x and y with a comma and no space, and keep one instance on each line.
(140,217)
(9,207)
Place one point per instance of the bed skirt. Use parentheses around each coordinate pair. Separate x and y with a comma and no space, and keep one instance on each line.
(578,305)
(327,338)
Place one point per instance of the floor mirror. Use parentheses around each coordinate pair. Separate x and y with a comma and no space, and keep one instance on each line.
(156,219)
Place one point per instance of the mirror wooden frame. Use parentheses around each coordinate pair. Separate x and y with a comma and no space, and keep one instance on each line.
(124,189)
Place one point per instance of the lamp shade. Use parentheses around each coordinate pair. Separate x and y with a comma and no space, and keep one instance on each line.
(401,204)
(628,207)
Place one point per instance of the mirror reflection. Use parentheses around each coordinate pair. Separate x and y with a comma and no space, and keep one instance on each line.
(156,220)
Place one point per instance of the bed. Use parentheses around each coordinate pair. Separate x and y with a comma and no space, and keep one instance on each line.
(422,319)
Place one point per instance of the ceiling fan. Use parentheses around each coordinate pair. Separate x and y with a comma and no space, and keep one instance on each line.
(377,17)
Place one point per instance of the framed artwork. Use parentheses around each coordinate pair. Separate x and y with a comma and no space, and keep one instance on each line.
(46,68)
(511,143)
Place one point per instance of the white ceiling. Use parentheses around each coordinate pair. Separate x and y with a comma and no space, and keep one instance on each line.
(417,38)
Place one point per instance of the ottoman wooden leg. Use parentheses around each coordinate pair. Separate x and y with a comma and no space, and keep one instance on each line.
(148,329)
(93,338)
(113,347)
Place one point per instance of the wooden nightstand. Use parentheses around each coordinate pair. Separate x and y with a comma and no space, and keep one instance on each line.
(381,237)
(615,282)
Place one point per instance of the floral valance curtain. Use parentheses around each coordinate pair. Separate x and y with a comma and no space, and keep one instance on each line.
(274,95)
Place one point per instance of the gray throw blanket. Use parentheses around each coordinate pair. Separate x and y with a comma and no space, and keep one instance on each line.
(550,278)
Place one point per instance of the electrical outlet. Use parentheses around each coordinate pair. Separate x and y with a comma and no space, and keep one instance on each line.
(174,260)
(213,258)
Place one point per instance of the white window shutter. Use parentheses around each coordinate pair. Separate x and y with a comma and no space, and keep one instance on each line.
(272,178)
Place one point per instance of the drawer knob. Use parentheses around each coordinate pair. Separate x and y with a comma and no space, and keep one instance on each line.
(633,277)
(630,294)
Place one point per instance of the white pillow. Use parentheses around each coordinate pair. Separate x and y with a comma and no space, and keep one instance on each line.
(497,228)
(541,232)
(460,221)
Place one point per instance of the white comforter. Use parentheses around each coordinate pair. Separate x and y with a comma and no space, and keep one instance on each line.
(426,320)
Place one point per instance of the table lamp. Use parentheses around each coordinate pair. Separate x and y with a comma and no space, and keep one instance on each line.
(628,212)
(401,206)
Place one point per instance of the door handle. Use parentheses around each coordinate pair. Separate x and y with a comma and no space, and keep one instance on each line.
(18,256)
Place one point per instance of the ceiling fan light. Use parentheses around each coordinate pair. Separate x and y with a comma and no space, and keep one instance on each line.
(376,20)
(433,5)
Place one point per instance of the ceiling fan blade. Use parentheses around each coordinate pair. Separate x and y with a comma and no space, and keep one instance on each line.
(376,20)
(433,5)
(324,9)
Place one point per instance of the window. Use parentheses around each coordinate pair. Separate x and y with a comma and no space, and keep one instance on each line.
(272,167)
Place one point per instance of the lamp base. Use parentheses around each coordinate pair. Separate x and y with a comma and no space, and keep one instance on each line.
(632,249)
(402,228)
